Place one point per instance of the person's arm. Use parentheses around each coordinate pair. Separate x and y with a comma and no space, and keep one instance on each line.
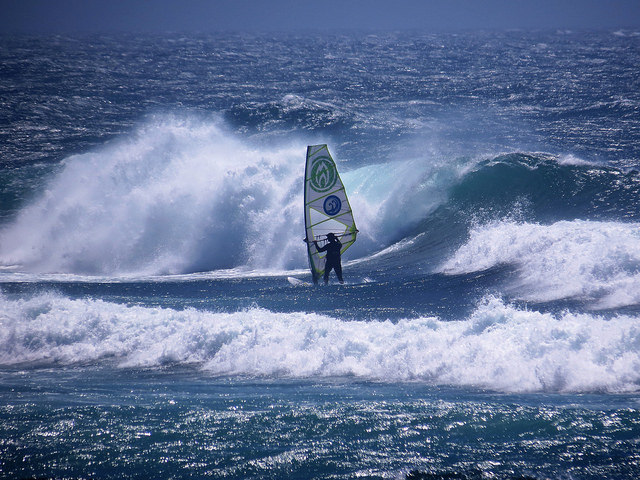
(320,249)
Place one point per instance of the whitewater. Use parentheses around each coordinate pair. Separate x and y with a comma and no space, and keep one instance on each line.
(539,352)
(151,212)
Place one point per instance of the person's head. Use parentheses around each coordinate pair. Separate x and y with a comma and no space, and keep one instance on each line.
(331,237)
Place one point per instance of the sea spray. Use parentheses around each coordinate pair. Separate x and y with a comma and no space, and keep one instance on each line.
(179,195)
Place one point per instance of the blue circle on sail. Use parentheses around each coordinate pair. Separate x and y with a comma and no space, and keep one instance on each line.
(332,205)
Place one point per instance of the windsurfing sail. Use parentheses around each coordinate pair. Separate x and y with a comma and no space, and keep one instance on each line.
(326,207)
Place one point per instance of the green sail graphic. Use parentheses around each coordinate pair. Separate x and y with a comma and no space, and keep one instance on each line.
(326,207)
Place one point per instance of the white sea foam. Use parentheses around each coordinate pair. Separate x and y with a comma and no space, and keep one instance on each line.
(498,347)
(571,159)
(594,261)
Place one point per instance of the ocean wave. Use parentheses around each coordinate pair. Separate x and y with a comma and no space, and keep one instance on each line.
(548,188)
(498,346)
(598,262)
(500,210)
(290,112)
(184,195)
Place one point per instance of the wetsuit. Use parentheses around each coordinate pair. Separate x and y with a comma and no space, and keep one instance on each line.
(333,248)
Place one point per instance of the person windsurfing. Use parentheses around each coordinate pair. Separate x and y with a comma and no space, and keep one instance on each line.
(332,247)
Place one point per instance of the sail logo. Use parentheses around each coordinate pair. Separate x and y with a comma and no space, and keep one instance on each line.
(332,205)
(323,174)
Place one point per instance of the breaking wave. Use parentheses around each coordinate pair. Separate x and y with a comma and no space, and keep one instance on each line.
(588,260)
(185,195)
(498,346)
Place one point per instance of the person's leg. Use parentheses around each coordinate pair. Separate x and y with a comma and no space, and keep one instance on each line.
(338,269)
(327,270)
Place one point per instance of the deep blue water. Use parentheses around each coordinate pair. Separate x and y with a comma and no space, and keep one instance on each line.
(151,212)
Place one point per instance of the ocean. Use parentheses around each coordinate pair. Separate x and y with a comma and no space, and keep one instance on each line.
(151,211)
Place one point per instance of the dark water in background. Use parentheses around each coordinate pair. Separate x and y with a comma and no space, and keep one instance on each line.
(150,212)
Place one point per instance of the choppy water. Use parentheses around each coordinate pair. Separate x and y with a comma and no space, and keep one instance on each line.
(151,212)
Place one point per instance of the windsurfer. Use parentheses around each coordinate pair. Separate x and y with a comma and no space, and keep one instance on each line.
(332,247)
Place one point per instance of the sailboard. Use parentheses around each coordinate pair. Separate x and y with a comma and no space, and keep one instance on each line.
(296,282)
(326,207)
